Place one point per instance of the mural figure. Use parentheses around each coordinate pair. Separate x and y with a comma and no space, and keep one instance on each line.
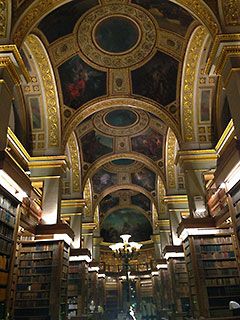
(157,79)
(108,202)
(102,180)
(205,105)
(80,82)
(126,220)
(36,113)
(95,145)
(150,144)
(168,15)
(144,178)
(142,201)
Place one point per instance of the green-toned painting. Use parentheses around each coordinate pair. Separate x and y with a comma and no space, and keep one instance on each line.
(95,146)
(157,79)
(126,221)
(80,83)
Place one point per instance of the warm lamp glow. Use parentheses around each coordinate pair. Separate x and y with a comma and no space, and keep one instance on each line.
(125,237)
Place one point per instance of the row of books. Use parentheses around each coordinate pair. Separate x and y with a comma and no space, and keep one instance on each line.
(73,269)
(35,263)
(34,279)
(223,291)
(222,281)
(221,272)
(218,255)
(217,264)
(37,247)
(33,286)
(32,295)
(7,217)
(37,270)
(214,248)
(36,255)
(213,240)
(31,303)
(6,231)
(3,262)
(6,204)
(3,278)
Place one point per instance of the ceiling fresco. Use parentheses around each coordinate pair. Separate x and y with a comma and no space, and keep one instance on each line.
(126,221)
(115,64)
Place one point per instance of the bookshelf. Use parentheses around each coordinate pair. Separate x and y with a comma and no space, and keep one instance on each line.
(179,283)
(213,272)
(77,288)
(41,280)
(8,225)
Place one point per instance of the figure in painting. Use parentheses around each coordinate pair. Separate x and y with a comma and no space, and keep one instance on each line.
(144,178)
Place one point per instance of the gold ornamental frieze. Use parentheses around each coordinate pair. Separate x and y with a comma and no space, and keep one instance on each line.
(189,75)
(74,155)
(231,9)
(89,27)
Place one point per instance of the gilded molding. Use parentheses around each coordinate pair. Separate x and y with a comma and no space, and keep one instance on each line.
(154,217)
(73,203)
(161,193)
(74,155)
(96,220)
(202,11)
(170,43)
(6,62)
(119,81)
(88,109)
(171,145)
(49,89)
(189,75)
(231,9)
(31,17)
(4,7)
(176,199)
(87,194)
(98,58)
(3,82)
(225,138)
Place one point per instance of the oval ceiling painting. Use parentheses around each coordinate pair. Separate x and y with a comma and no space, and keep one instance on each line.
(121,118)
(126,221)
(116,34)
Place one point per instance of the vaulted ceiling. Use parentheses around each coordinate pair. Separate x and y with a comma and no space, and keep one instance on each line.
(118,85)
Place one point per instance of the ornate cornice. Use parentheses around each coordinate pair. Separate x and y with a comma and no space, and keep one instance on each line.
(220,41)
(49,88)
(231,9)
(188,82)
(195,156)
(74,155)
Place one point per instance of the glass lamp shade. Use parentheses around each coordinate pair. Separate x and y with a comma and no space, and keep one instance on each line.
(125,237)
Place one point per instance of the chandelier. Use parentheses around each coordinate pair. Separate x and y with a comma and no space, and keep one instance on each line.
(125,249)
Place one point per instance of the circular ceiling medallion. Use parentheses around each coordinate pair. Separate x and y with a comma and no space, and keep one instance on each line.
(121,122)
(116,36)
(121,118)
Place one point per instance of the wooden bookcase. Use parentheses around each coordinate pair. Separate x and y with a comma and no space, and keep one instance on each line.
(77,288)
(179,283)
(41,280)
(213,273)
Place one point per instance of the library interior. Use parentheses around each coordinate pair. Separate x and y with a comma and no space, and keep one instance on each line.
(119,159)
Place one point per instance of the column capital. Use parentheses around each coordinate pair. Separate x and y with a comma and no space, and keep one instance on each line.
(72,207)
